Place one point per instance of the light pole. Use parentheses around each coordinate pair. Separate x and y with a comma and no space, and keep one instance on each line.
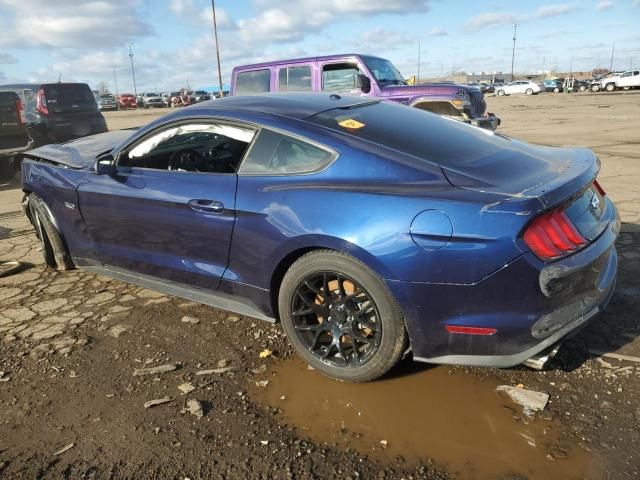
(115,79)
(613,46)
(215,35)
(418,79)
(133,72)
(513,52)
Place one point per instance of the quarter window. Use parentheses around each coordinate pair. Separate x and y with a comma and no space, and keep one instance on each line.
(277,154)
(257,81)
(339,77)
(294,79)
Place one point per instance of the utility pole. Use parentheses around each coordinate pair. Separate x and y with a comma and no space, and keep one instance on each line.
(543,62)
(133,72)
(613,46)
(115,79)
(418,78)
(215,35)
(513,52)
(570,65)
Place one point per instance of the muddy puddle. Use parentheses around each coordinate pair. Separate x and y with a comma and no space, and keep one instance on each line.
(451,417)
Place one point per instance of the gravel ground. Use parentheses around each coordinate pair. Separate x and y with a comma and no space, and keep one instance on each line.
(72,405)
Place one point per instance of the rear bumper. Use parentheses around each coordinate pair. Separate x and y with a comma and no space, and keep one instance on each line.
(529,305)
(14,149)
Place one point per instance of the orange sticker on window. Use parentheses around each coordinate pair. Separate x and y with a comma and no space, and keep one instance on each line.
(351,123)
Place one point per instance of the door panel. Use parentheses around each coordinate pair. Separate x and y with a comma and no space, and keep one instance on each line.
(171,224)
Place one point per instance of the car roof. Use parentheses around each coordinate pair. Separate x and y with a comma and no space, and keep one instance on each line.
(303,60)
(292,105)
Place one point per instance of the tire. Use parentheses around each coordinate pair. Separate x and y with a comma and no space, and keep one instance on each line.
(54,250)
(610,87)
(556,90)
(582,88)
(500,93)
(7,170)
(595,88)
(528,91)
(309,317)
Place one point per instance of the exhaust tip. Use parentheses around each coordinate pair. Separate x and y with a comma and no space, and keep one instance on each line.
(538,362)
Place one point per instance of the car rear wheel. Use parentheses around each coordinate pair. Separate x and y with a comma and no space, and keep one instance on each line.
(610,87)
(341,317)
(54,250)
(501,92)
(556,90)
(529,91)
(582,88)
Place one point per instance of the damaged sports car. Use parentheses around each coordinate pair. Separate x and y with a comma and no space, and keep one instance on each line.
(370,230)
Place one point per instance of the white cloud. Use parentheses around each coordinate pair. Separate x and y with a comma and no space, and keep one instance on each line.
(437,32)
(547,11)
(69,23)
(491,19)
(203,17)
(605,5)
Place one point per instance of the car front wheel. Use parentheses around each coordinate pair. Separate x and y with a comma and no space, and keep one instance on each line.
(340,317)
(500,93)
(610,87)
(595,88)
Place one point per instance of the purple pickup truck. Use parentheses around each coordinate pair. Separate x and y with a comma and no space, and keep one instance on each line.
(363,75)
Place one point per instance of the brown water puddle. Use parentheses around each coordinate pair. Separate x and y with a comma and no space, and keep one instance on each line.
(456,419)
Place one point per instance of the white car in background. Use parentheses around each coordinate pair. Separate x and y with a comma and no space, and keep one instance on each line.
(519,86)
(626,80)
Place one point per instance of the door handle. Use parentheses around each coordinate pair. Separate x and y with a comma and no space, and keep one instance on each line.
(207,206)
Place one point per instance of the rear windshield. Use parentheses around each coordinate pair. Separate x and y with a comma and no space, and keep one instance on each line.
(439,140)
(64,95)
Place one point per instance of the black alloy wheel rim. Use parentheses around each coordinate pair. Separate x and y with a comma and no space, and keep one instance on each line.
(336,319)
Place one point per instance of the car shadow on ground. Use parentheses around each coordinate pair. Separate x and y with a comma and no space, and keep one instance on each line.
(617,328)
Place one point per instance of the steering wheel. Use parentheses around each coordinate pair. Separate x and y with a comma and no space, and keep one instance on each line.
(187,159)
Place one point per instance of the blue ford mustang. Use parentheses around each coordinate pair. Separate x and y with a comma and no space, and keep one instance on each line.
(368,229)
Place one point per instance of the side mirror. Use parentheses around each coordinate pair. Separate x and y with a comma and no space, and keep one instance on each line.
(105,165)
(363,83)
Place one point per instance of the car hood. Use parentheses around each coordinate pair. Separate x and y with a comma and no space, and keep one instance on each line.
(82,152)
(432,89)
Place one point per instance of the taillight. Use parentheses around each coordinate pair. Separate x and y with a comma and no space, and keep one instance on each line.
(20,111)
(552,236)
(41,103)
(599,188)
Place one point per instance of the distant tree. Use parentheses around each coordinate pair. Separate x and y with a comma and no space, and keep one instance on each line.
(103,87)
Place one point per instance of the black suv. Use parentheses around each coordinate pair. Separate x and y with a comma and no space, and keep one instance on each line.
(14,137)
(57,112)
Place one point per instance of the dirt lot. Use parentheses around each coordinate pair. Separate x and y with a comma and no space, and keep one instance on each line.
(73,406)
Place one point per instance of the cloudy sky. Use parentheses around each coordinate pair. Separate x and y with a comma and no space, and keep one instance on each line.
(42,40)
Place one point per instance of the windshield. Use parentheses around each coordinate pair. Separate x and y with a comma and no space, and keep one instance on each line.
(384,71)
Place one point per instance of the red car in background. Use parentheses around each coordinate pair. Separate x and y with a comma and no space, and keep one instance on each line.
(127,100)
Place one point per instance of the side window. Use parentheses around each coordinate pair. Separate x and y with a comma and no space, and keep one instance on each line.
(294,79)
(204,148)
(627,74)
(339,77)
(257,81)
(277,154)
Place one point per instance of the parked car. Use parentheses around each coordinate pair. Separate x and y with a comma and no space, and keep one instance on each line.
(363,75)
(127,100)
(596,83)
(150,99)
(486,88)
(519,86)
(200,96)
(57,112)
(625,80)
(552,86)
(14,135)
(432,236)
(107,101)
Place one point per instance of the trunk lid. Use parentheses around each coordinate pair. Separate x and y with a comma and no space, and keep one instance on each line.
(66,98)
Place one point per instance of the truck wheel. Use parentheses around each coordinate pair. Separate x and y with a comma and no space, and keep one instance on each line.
(7,170)
(54,250)
(595,88)
(610,87)
(341,317)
